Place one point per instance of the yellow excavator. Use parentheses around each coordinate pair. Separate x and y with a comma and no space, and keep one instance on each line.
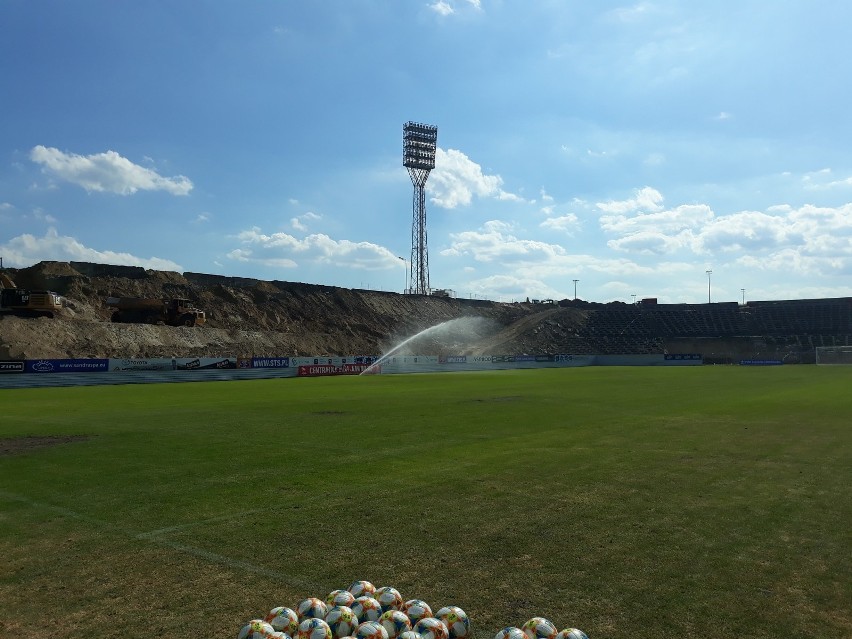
(28,303)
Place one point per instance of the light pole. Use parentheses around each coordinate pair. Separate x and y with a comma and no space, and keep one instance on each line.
(406,273)
(709,273)
(575,288)
(743,290)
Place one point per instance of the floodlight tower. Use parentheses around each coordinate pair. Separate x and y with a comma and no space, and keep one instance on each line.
(419,142)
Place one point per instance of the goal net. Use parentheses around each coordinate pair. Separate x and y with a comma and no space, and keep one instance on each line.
(833,355)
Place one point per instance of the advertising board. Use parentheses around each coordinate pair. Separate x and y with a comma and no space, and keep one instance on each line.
(66,365)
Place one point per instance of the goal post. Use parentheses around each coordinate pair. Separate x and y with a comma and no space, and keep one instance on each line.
(828,355)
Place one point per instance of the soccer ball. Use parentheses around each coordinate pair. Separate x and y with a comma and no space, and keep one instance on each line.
(255,629)
(409,634)
(311,608)
(313,628)
(342,621)
(456,621)
(416,609)
(572,633)
(510,632)
(340,598)
(370,630)
(395,622)
(389,597)
(283,619)
(367,609)
(360,588)
(539,628)
(278,635)
(431,628)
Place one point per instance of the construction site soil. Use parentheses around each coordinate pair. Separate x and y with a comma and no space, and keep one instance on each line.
(248,317)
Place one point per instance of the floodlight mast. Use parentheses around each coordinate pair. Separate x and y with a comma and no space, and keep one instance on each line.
(419,142)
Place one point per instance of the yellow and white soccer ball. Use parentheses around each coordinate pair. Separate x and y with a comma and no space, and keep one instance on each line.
(571,633)
(510,632)
(395,622)
(431,628)
(283,619)
(416,609)
(311,608)
(366,608)
(361,588)
(456,620)
(539,628)
(370,630)
(342,621)
(389,598)
(313,628)
(255,629)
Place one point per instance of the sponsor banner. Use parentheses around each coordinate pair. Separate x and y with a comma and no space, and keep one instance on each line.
(682,356)
(481,358)
(204,363)
(544,358)
(453,359)
(320,370)
(66,365)
(524,358)
(143,364)
(563,358)
(270,362)
(761,362)
(329,361)
(499,359)
(12,366)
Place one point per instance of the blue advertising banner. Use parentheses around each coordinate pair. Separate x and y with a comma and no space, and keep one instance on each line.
(761,362)
(270,362)
(66,365)
(682,356)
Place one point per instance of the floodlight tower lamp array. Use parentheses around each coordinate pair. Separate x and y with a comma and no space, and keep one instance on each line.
(419,145)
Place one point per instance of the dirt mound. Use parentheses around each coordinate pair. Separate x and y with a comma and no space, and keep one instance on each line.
(253,317)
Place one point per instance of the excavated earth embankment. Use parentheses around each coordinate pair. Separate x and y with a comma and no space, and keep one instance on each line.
(256,317)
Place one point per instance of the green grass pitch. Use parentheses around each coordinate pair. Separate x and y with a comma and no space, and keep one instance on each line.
(654,502)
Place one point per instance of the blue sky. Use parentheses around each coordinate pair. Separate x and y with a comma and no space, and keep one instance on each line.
(631,146)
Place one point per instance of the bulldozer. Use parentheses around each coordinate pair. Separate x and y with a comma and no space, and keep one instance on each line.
(28,303)
(152,310)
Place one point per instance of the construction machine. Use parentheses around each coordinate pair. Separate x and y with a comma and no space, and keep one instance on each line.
(152,310)
(28,303)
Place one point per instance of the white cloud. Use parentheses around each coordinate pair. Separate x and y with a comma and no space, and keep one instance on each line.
(495,241)
(722,116)
(283,250)
(807,240)
(298,222)
(106,172)
(447,8)
(456,179)
(442,7)
(646,198)
(5,206)
(566,223)
(27,249)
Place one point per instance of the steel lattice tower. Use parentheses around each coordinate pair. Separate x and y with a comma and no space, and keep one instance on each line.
(419,142)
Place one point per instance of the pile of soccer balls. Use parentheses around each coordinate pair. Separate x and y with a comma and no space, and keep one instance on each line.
(363,611)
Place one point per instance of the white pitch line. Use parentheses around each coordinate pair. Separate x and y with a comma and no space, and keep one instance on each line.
(161,531)
(151,538)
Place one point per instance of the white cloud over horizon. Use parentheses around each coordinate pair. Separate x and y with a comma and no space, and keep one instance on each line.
(26,250)
(286,251)
(106,172)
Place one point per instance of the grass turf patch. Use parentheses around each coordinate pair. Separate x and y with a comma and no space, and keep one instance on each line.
(676,502)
